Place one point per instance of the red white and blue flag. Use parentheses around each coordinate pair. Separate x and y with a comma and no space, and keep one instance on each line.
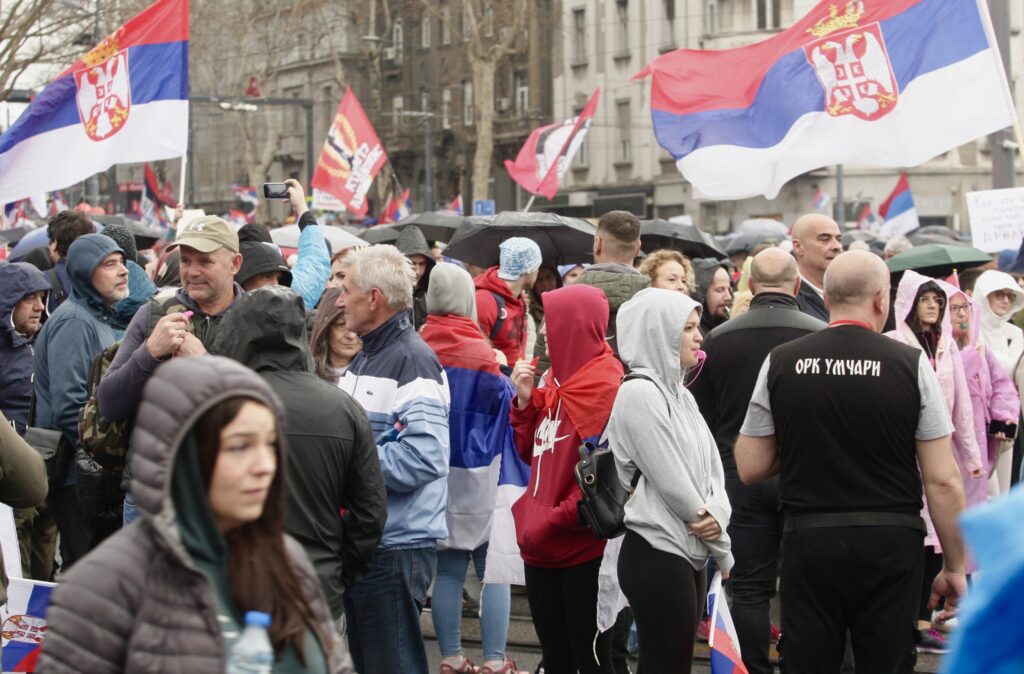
(456,205)
(899,211)
(545,156)
(24,624)
(822,199)
(722,639)
(125,101)
(886,82)
(57,203)
(866,219)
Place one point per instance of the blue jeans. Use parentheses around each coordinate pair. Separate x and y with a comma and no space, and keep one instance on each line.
(383,611)
(446,604)
(131,511)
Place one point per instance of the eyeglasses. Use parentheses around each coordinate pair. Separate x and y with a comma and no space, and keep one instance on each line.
(957,308)
(1002,295)
(930,299)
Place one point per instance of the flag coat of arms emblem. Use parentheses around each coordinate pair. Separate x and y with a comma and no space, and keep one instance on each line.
(125,101)
(24,624)
(878,82)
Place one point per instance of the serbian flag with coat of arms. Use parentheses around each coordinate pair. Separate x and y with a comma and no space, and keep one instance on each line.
(351,158)
(544,158)
(722,639)
(24,624)
(125,101)
(880,82)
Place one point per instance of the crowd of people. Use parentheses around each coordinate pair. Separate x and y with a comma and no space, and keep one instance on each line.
(325,442)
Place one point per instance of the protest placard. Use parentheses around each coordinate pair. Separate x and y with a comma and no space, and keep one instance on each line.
(997,219)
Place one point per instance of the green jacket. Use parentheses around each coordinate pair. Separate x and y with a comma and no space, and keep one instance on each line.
(619,283)
(22,480)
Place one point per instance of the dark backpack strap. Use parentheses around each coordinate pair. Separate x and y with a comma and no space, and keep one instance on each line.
(58,291)
(499,322)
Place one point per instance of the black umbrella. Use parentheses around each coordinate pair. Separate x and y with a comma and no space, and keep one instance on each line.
(380,234)
(15,234)
(562,240)
(145,237)
(940,230)
(919,239)
(435,226)
(688,239)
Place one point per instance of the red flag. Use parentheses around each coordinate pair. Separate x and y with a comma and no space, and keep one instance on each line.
(544,158)
(253,90)
(351,158)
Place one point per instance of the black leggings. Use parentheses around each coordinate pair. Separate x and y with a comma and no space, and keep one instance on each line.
(932,568)
(563,604)
(663,592)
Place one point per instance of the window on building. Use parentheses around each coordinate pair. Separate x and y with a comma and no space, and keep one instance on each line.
(297,112)
(623,140)
(622,14)
(397,108)
(468,110)
(467,21)
(446,104)
(489,20)
(425,33)
(579,35)
(767,14)
(446,25)
(328,104)
(398,40)
(670,22)
(424,101)
(521,86)
(711,16)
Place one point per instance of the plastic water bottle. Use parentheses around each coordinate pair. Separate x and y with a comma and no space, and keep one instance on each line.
(252,653)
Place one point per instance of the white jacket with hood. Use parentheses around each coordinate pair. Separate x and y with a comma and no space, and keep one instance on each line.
(657,428)
(1003,338)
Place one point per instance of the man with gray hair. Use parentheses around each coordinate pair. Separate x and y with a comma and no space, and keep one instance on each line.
(735,351)
(856,427)
(897,245)
(401,385)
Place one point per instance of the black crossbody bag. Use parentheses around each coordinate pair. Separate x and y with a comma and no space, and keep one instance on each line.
(603,506)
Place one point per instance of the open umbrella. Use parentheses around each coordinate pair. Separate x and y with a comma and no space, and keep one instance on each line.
(940,230)
(857,235)
(16,234)
(145,237)
(935,259)
(562,240)
(288,237)
(746,243)
(688,239)
(765,227)
(922,239)
(36,238)
(380,234)
(435,226)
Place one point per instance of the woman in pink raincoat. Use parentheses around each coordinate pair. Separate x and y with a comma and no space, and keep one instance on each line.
(993,395)
(923,322)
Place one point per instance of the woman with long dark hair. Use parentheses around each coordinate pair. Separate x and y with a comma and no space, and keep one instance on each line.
(168,593)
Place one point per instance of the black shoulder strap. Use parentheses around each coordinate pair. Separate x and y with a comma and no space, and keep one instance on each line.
(58,291)
(500,320)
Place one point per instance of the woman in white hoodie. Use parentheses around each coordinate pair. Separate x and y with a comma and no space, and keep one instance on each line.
(998,298)
(676,518)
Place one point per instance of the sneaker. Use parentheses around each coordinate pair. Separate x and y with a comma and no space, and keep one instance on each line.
(947,626)
(704,629)
(467,667)
(932,641)
(508,668)
(776,633)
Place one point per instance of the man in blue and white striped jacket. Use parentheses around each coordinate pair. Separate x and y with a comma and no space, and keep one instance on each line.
(401,385)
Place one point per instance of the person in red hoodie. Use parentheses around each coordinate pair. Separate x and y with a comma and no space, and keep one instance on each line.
(573,402)
(501,296)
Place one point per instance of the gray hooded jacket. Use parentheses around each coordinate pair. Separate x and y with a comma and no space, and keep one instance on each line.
(656,427)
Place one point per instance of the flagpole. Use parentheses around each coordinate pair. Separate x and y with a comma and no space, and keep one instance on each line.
(181,180)
(529,203)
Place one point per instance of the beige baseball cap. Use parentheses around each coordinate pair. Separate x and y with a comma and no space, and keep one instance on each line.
(207,234)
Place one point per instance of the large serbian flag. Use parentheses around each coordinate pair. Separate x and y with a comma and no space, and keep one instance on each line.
(882,82)
(351,158)
(722,639)
(124,101)
(545,156)
(24,624)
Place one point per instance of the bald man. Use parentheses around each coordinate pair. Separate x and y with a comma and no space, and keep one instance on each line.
(736,350)
(816,242)
(856,427)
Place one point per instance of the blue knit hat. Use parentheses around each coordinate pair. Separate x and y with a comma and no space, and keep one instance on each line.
(518,256)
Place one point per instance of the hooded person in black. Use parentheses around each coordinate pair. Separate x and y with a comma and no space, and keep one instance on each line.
(714,313)
(412,244)
(332,466)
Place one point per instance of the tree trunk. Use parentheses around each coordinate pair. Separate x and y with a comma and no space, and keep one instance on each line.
(483,103)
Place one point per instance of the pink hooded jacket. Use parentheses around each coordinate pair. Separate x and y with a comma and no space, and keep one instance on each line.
(993,396)
(950,371)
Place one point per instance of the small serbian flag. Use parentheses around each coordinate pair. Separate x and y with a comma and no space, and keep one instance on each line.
(24,624)
(822,199)
(125,101)
(885,83)
(866,219)
(899,211)
(351,158)
(456,205)
(722,639)
(545,157)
